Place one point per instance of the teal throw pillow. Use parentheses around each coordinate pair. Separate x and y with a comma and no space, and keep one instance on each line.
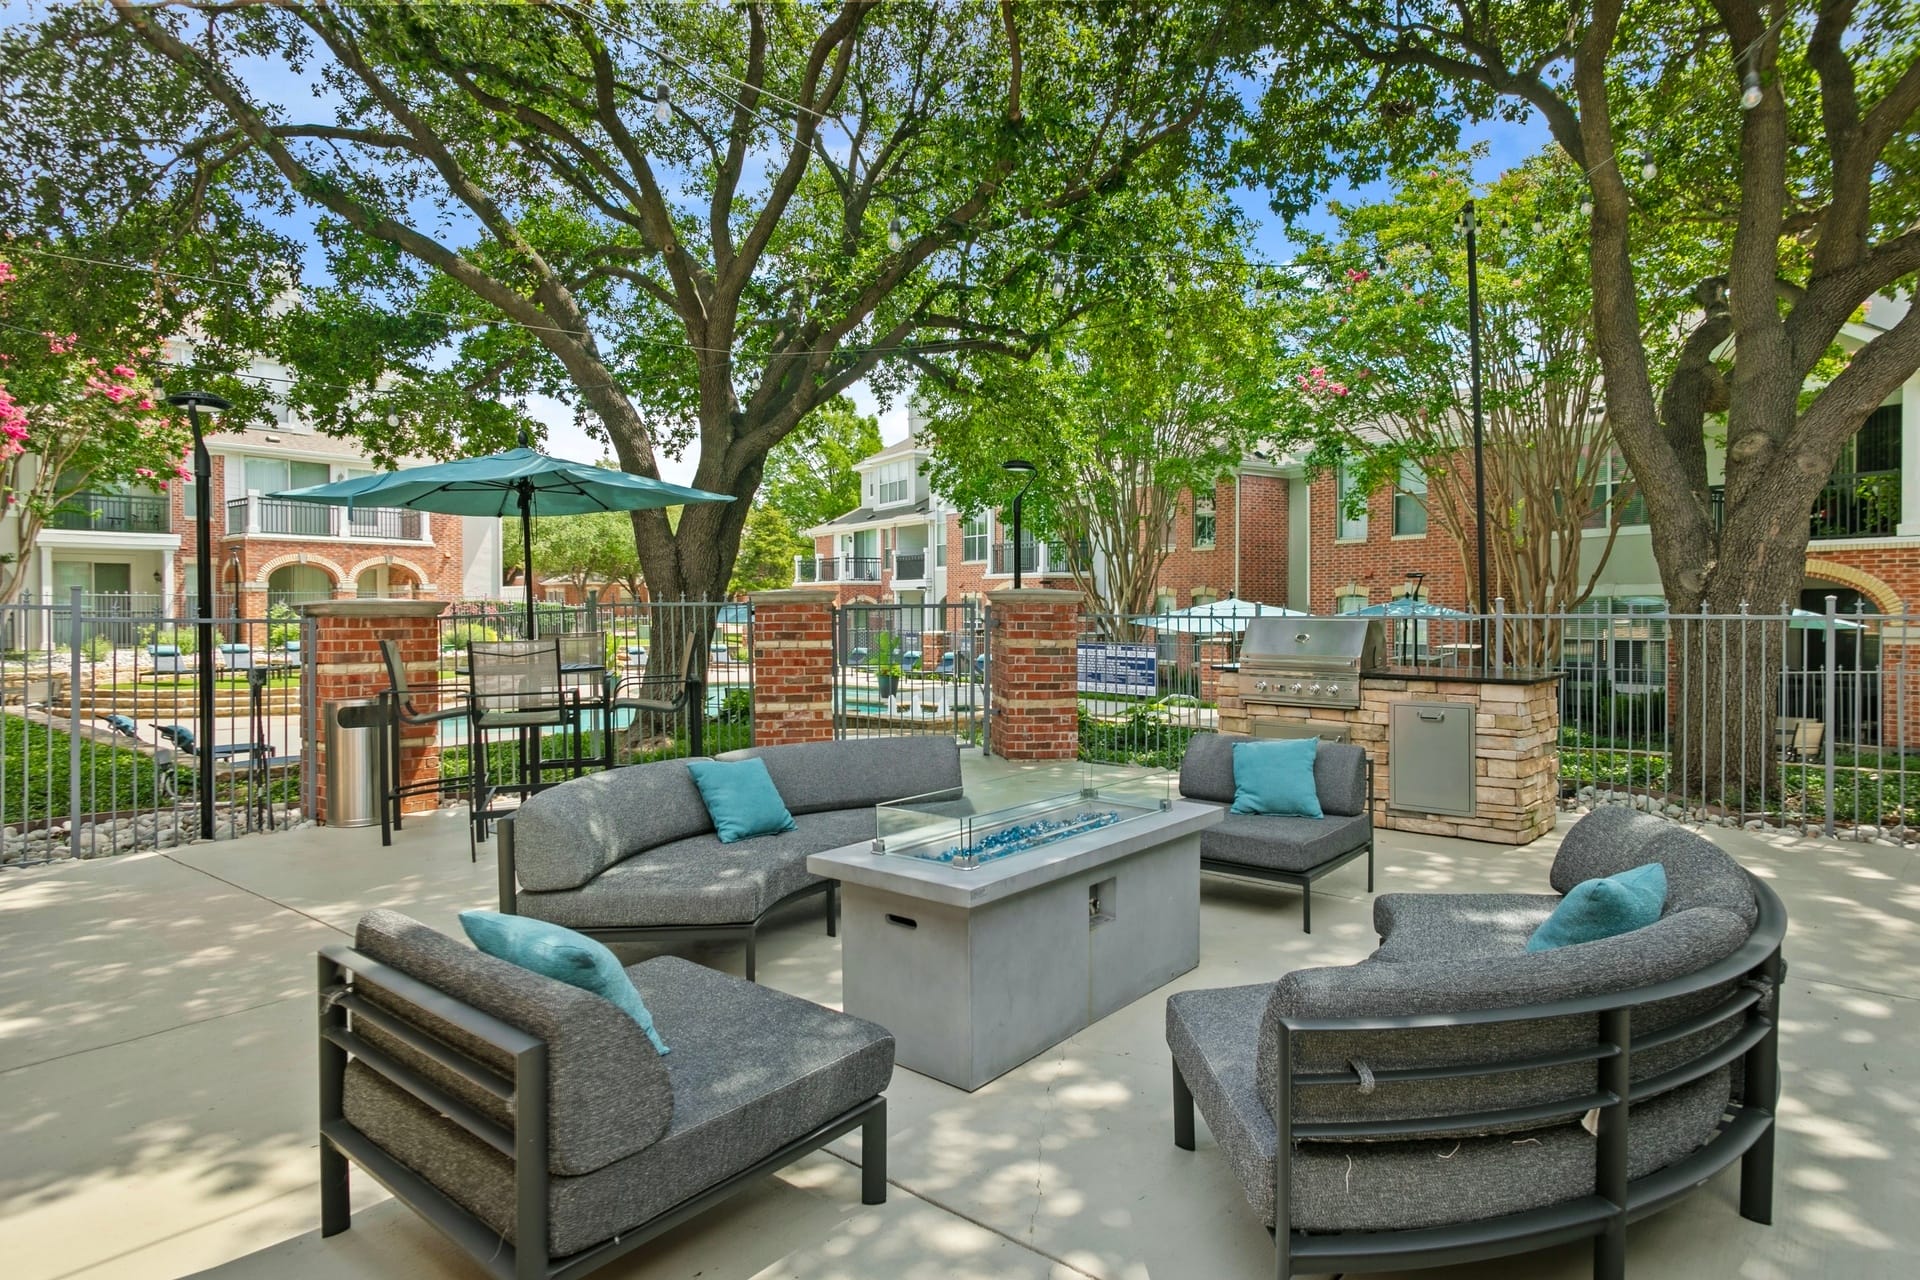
(1276,777)
(563,955)
(741,798)
(1596,909)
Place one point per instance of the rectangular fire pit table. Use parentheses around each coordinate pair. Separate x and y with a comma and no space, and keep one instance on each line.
(981,932)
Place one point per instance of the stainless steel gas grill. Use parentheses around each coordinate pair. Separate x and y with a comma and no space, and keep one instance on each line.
(1309,662)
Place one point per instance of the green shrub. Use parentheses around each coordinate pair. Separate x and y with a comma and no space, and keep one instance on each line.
(1139,737)
(462,634)
(736,706)
(96,648)
(283,624)
(185,639)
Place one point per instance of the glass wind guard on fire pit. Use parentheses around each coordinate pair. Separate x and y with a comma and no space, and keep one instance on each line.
(1001,821)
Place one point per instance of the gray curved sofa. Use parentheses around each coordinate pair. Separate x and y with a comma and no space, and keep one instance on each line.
(1455,1097)
(630,854)
(1277,848)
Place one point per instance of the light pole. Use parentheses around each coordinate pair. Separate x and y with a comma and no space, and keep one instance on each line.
(1019,467)
(193,402)
(1479,421)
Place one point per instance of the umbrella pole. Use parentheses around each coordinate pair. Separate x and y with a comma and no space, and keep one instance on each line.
(526,544)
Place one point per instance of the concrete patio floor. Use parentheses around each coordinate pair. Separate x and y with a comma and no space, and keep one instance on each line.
(158,1084)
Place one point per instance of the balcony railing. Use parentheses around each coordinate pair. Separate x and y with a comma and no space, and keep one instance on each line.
(255,514)
(113,513)
(909,566)
(1858,504)
(836,569)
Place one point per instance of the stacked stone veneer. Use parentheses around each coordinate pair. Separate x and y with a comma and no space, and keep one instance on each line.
(792,666)
(344,661)
(1034,673)
(1516,761)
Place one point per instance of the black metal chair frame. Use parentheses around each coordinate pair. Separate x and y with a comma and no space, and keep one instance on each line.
(397,708)
(526,727)
(1303,880)
(1746,1132)
(525,1143)
(747,932)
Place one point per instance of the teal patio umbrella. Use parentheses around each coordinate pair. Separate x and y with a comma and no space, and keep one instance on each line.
(521,482)
(1228,617)
(1402,607)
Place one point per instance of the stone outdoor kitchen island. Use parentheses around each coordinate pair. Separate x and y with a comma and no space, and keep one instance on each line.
(976,969)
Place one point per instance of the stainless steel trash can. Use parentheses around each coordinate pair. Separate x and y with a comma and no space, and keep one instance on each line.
(352,728)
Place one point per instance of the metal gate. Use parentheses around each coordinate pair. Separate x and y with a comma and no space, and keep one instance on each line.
(901,669)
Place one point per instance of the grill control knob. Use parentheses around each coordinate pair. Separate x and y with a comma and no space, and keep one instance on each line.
(1296,686)
(1260,685)
(1333,688)
(1315,689)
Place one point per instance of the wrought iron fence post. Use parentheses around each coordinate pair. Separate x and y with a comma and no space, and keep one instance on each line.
(1827,679)
(73,723)
(1499,635)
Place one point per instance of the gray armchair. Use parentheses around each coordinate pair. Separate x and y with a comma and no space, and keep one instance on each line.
(533,1124)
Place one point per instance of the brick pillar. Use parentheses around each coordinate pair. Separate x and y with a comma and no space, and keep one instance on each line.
(1899,686)
(344,662)
(1213,652)
(1033,661)
(792,666)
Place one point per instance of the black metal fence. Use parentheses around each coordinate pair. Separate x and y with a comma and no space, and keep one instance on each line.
(100,741)
(904,669)
(1144,691)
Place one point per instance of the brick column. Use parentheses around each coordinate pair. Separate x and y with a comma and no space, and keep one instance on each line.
(792,666)
(1899,685)
(344,662)
(1034,666)
(1213,651)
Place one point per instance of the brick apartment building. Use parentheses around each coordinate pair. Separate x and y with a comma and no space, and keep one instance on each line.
(905,545)
(132,550)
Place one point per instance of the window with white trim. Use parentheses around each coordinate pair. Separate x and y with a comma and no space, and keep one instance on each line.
(1410,501)
(1348,528)
(973,540)
(1203,522)
(1351,602)
(1613,483)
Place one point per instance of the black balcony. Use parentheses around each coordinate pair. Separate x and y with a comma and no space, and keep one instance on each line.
(305,519)
(909,566)
(1857,504)
(113,513)
(382,524)
(859,568)
(1003,558)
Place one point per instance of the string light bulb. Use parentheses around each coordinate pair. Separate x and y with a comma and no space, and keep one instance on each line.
(1750,93)
(1648,169)
(393,419)
(1586,208)
(1538,226)
(661,111)
(1059,287)
(894,239)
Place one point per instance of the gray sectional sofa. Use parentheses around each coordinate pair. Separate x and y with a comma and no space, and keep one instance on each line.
(1455,1097)
(533,1123)
(630,855)
(1284,850)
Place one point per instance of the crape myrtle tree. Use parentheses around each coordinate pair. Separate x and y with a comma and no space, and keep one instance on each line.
(698,222)
(582,550)
(1378,379)
(1784,135)
(1152,395)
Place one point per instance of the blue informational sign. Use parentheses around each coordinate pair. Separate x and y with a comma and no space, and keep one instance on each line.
(1117,668)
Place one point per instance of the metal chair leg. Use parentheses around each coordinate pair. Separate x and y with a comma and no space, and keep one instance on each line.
(1182,1111)
(873,1156)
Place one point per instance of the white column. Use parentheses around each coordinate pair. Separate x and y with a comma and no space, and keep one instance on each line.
(1909,526)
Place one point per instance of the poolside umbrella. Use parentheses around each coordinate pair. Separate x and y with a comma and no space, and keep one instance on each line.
(1220,617)
(1409,608)
(519,482)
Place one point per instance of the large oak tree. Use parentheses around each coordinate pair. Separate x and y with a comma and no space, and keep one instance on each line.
(696,222)
(1785,135)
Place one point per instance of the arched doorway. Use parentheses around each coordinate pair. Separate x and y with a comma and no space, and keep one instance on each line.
(296,584)
(385,581)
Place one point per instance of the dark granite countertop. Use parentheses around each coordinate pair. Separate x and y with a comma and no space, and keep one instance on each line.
(1448,675)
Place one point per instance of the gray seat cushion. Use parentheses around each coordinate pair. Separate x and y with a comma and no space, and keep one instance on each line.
(858,773)
(1394,1185)
(566,835)
(1418,926)
(699,880)
(1339,772)
(1614,838)
(1280,843)
(752,1070)
(608,1091)
(1448,983)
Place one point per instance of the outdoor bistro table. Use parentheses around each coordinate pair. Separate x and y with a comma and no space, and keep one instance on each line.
(982,932)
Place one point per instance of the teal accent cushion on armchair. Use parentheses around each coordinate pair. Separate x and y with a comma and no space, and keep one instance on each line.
(741,798)
(563,955)
(1596,909)
(1276,777)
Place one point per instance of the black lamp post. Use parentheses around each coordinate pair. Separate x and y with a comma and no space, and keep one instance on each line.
(193,402)
(1019,467)
(1479,421)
